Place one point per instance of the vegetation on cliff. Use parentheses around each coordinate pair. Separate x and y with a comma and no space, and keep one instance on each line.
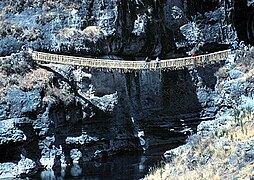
(225,150)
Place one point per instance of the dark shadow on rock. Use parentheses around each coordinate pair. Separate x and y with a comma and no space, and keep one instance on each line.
(207,74)
(29,148)
(179,93)
(243,18)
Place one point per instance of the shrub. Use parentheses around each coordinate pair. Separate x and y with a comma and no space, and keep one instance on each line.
(62,95)
(92,31)
(46,17)
(36,78)
(68,33)
(223,72)
(245,62)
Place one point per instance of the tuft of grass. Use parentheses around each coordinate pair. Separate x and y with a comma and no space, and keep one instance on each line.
(209,157)
(92,31)
(36,78)
(222,73)
(243,130)
(67,33)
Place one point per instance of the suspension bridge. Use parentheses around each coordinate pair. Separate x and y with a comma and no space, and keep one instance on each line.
(127,65)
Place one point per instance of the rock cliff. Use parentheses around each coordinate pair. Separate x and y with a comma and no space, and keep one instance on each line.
(55,112)
(58,114)
(132,28)
(222,147)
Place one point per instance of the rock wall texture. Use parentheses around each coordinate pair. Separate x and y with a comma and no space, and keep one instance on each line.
(231,129)
(58,114)
(133,28)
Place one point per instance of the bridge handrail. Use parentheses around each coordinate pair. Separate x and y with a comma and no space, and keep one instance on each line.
(132,65)
(127,65)
(108,60)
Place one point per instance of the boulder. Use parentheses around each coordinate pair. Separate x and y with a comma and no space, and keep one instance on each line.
(234,74)
(22,103)
(105,103)
(8,170)
(75,155)
(9,133)
(25,167)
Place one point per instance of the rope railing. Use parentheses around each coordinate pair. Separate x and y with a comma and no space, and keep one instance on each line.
(4,58)
(127,66)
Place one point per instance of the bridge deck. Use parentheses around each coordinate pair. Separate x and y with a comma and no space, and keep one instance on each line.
(126,66)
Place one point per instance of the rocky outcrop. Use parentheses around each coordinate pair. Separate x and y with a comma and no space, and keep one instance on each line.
(133,28)
(51,110)
(9,133)
(223,146)
(244,11)
(233,94)
(21,103)
(46,109)
(25,167)
(83,139)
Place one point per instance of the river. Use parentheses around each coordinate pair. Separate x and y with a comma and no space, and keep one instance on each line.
(130,165)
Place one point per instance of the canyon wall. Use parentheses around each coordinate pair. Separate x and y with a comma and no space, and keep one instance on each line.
(133,28)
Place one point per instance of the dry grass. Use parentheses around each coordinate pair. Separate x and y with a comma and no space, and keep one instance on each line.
(36,78)
(241,129)
(247,172)
(92,31)
(67,33)
(22,74)
(209,158)
(222,73)
(248,75)
(39,78)
(245,62)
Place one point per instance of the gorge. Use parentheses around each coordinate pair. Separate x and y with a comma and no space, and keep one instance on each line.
(60,114)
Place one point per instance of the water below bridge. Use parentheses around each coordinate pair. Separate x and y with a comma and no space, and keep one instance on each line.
(130,165)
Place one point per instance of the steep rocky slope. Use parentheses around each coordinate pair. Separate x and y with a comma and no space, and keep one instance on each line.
(55,113)
(44,114)
(222,148)
(58,114)
(133,28)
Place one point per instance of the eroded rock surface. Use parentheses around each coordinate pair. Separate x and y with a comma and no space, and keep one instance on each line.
(134,28)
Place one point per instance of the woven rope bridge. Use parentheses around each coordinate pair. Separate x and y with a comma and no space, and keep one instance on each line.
(128,66)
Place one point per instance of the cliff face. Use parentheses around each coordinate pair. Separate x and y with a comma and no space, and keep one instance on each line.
(133,28)
(222,147)
(50,113)
(63,112)
(243,20)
